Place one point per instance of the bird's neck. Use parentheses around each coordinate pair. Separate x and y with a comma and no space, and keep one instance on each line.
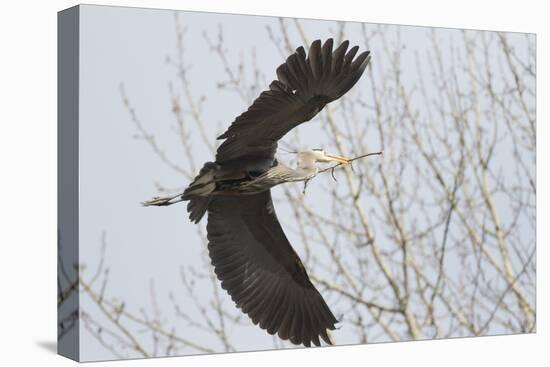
(307,170)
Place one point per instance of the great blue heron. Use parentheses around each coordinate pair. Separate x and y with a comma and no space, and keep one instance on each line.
(250,253)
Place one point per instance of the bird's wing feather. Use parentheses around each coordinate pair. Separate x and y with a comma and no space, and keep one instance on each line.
(261,272)
(304,85)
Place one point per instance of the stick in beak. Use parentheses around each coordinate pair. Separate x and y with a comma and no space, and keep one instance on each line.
(337,158)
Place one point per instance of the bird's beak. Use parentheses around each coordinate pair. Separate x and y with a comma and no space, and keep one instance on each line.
(337,158)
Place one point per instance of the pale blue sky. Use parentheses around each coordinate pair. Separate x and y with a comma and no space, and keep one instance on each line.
(117,172)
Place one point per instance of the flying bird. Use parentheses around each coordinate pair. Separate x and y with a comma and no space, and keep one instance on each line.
(248,248)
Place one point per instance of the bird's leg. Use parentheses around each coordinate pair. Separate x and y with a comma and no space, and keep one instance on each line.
(163,201)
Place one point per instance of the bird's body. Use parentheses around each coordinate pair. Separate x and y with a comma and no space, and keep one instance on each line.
(259,181)
(250,253)
(223,179)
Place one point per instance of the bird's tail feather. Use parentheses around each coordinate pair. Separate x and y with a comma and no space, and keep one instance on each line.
(197,207)
(198,193)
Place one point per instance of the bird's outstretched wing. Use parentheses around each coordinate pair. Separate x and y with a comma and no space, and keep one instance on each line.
(261,272)
(304,85)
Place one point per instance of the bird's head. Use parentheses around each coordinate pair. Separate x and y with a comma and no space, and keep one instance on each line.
(324,157)
(306,158)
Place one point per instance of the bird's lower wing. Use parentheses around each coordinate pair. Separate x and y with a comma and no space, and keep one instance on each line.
(261,272)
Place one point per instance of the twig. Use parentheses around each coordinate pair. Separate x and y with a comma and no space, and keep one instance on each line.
(351,160)
(332,168)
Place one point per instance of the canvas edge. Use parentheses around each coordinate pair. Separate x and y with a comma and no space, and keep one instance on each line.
(68,310)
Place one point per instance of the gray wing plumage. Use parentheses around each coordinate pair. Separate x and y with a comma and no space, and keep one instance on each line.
(304,85)
(261,272)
